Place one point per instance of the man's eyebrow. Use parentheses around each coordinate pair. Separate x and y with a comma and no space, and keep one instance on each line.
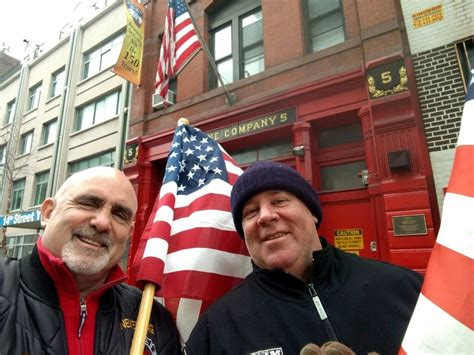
(88,198)
(122,209)
(99,201)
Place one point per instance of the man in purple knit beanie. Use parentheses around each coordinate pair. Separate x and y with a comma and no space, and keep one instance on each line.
(302,290)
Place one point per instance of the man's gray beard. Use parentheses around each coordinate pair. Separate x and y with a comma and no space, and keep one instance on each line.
(84,261)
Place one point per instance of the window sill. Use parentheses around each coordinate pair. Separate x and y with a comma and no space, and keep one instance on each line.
(52,98)
(30,110)
(93,126)
(44,146)
(85,80)
(22,155)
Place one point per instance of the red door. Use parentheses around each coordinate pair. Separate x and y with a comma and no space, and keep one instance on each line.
(348,222)
(340,164)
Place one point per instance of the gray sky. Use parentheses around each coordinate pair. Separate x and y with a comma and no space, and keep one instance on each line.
(38,21)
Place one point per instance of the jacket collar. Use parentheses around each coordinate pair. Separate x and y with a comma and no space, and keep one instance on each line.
(40,269)
(328,273)
(37,280)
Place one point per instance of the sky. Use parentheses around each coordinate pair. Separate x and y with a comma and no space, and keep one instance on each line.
(38,21)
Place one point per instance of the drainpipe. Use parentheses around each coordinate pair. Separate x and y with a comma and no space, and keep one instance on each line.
(123,124)
(55,172)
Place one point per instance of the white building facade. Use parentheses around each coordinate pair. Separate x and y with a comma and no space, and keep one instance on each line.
(441,39)
(62,112)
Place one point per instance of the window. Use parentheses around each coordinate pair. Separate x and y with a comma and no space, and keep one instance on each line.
(18,190)
(58,79)
(465,53)
(263,152)
(350,133)
(10,112)
(325,24)
(236,36)
(41,186)
(104,159)
(341,156)
(3,153)
(26,140)
(102,57)
(34,97)
(97,111)
(49,132)
(342,176)
(19,246)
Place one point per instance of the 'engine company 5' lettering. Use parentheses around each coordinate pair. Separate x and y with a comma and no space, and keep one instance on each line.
(255,125)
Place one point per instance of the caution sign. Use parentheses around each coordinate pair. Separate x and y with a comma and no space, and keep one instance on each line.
(428,16)
(349,239)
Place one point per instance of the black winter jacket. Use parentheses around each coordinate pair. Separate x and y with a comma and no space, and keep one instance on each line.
(31,321)
(364,304)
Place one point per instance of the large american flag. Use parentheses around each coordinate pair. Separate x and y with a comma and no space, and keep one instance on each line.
(443,320)
(179,44)
(190,247)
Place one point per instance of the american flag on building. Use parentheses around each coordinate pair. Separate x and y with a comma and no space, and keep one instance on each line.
(178,45)
(190,247)
(443,320)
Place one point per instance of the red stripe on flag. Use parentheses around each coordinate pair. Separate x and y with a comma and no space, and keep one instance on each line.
(196,285)
(186,22)
(186,54)
(462,176)
(172,305)
(208,238)
(180,42)
(445,283)
(210,201)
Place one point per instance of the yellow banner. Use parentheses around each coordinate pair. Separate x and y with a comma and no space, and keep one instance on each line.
(129,63)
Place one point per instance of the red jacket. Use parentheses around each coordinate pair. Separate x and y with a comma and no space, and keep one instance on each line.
(37,318)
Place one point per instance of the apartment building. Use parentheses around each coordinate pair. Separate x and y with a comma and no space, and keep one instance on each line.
(63,111)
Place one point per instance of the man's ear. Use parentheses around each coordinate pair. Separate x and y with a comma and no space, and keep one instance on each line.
(132,227)
(47,208)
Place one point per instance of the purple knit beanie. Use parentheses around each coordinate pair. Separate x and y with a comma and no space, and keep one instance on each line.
(267,175)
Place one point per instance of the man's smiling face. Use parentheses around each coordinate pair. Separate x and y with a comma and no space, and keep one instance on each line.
(280,232)
(89,221)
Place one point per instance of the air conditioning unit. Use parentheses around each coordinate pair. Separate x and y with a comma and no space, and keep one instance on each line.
(158,101)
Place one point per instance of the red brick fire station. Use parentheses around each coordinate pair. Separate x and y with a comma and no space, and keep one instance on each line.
(330,90)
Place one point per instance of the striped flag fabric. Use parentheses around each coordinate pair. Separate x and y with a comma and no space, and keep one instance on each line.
(443,320)
(190,248)
(178,46)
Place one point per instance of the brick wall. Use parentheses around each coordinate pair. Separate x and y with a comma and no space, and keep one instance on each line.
(441,94)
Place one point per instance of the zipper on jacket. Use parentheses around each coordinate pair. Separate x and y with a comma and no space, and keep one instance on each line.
(317,302)
(83,316)
(322,313)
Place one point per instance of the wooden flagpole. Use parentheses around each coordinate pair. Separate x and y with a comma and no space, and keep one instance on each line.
(144,313)
(230,96)
(141,328)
